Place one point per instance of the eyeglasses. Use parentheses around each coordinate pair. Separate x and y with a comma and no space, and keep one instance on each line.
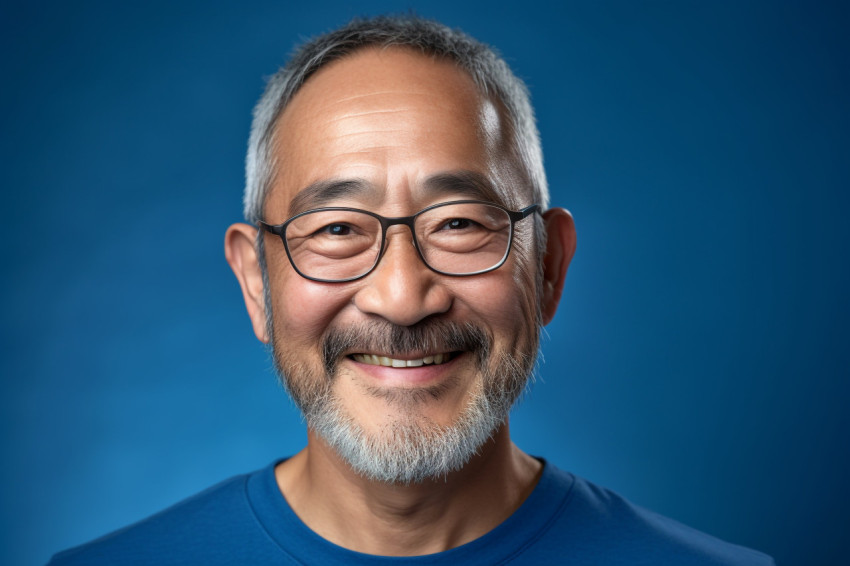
(337,244)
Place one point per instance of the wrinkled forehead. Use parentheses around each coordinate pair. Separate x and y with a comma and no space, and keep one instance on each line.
(383,121)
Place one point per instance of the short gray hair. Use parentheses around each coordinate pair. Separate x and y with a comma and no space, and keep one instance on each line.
(487,69)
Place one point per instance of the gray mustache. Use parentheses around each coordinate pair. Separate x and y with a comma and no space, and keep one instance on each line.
(394,340)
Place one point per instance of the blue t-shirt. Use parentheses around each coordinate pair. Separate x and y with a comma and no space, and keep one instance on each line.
(565,520)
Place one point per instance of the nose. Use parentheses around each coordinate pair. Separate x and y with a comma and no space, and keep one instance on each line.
(402,289)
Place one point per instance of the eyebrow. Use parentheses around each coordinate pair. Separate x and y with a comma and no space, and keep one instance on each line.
(461,183)
(326,192)
(469,184)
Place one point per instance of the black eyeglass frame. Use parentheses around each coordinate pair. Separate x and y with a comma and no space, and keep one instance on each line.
(386,222)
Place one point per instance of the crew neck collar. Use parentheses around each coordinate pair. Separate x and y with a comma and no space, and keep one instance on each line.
(508,539)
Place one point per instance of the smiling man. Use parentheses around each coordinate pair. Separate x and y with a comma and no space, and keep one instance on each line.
(400,258)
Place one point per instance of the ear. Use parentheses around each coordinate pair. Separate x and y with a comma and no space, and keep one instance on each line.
(241,254)
(560,247)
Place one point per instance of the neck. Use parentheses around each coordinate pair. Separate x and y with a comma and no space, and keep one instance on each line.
(407,520)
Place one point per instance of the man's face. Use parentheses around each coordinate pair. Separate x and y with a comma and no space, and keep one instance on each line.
(393,120)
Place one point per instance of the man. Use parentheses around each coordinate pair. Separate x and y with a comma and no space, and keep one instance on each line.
(400,259)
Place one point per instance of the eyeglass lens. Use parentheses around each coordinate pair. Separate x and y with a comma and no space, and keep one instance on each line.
(456,239)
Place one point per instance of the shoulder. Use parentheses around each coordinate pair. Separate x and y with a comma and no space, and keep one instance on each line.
(197,525)
(604,528)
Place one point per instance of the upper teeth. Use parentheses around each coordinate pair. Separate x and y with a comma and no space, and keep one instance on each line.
(392,362)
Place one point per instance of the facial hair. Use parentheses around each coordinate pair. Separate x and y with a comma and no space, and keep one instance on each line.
(412,448)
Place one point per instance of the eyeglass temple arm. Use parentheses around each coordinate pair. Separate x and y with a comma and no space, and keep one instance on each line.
(276,230)
(527,211)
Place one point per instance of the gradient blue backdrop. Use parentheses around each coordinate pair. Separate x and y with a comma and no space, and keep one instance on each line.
(698,364)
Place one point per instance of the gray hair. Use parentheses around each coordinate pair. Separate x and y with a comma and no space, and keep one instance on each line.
(487,69)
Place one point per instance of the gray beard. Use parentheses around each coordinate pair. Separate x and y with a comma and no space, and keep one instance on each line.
(412,448)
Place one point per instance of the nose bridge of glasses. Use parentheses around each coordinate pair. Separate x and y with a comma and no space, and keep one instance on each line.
(388,223)
(393,229)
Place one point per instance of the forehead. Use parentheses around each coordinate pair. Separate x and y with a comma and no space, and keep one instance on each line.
(385,121)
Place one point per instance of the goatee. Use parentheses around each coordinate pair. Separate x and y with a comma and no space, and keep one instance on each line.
(411,448)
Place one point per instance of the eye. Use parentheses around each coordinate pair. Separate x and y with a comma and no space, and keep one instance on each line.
(334,230)
(458,224)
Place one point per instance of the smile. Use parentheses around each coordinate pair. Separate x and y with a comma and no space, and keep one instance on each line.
(374,360)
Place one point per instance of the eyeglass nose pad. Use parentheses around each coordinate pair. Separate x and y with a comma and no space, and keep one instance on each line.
(413,239)
(398,222)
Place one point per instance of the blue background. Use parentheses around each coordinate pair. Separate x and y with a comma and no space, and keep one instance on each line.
(699,362)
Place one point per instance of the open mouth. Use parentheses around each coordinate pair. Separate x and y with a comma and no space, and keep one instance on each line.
(376,360)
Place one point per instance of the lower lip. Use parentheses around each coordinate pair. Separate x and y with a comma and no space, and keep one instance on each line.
(408,376)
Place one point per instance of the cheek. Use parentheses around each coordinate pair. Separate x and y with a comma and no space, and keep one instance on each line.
(497,300)
(304,309)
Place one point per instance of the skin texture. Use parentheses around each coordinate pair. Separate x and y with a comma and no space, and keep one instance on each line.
(391,119)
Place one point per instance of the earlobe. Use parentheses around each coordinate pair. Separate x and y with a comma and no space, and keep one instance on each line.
(560,247)
(241,254)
